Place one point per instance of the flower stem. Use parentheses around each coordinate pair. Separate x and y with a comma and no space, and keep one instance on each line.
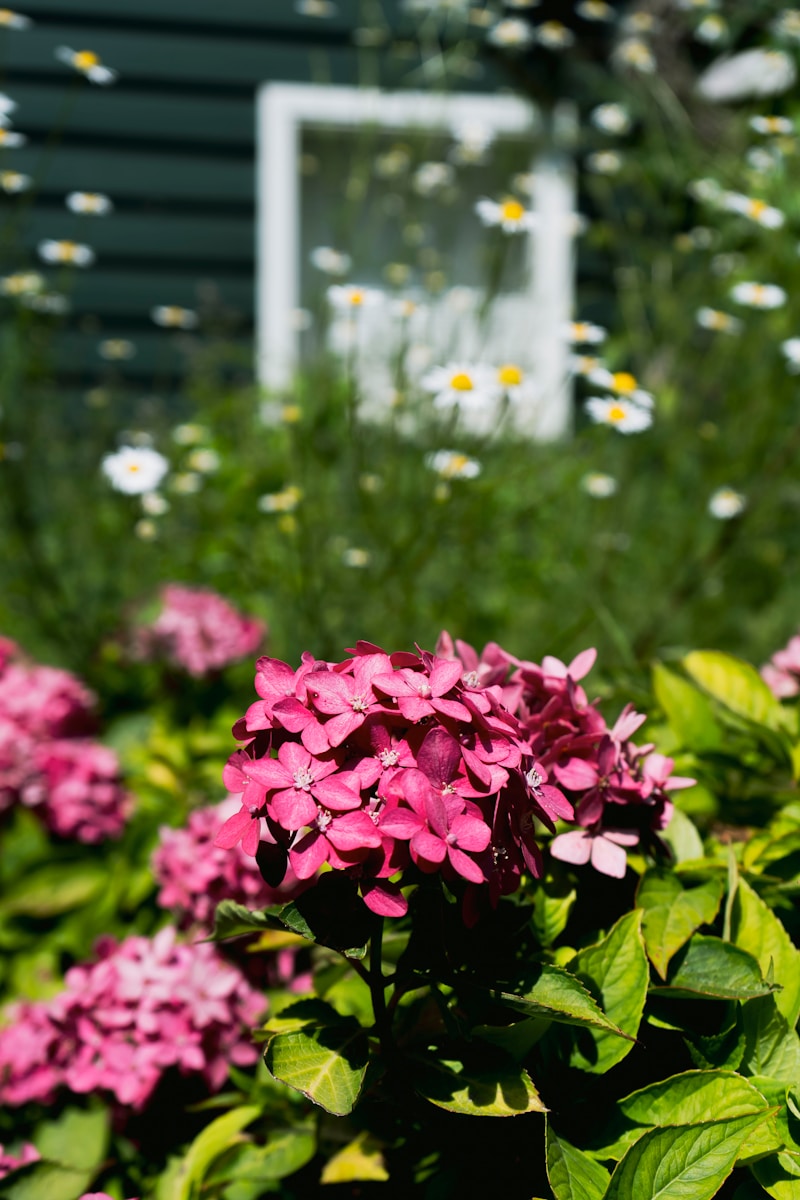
(377,986)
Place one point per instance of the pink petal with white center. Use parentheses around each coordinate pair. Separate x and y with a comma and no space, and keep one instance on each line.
(574,847)
(466,866)
(444,675)
(577,774)
(233,830)
(470,833)
(554,802)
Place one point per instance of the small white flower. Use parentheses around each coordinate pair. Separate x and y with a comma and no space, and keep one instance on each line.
(708,191)
(393,163)
(52,303)
(639,23)
(725,503)
(14,181)
(511,33)
(74,253)
(598,485)
(473,139)
(11,139)
(116,348)
(87,63)
(93,204)
(697,5)
(621,414)
(611,118)
(720,322)
(636,54)
(712,29)
(771,125)
(509,214)
(553,35)
(585,364)
(452,464)
(13,20)
(330,261)
(146,530)
(791,351)
(7,105)
(755,72)
(764,159)
(21,283)
(622,383)
(432,177)
(354,556)
(188,483)
(758,295)
(189,434)
(315,8)
(135,469)
(787,25)
(513,381)
(755,210)
(172,316)
(285,501)
(467,386)
(604,162)
(204,460)
(154,504)
(595,10)
(352,297)
(584,333)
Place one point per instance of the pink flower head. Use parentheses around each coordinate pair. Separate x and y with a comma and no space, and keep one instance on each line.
(782,673)
(198,631)
(45,701)
(77,791)
(12,1162)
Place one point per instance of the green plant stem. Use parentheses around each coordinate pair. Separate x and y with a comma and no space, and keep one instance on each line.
(377,986)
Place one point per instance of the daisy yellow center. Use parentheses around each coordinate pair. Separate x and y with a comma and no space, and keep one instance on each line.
(509,375)
(759,292)
(512,210)
(6,16)
(356,297)
(85,59)
(134,467)
(580,330)
(623,382)
(461,382)
(617,412)
(456,464)
(756,208)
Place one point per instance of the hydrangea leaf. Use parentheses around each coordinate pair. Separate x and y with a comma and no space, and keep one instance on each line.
(552,992)
(77,1139)
(737,685)
(683,1163)
(672,913)
(572,1174)
(232,920)
(689,712)
(552,903)
(332,914)
(216,1138)
(488,1086)
(54,889)
(615,969)
(777,1176)
(771,1047)
(286,1151)
(46,1181)
(709,968)
(756,929)
(326,1062)
(360,1160)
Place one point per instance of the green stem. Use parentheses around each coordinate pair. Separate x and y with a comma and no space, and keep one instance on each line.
(377,987)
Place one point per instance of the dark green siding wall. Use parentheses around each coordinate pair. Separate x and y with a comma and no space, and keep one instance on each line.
(172,143)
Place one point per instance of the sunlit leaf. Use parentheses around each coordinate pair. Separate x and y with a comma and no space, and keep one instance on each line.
(756,929)
(360,1160)
(326,1062)
(489,1086)
(615,969)
(672,913)
(709,968)
(572,1174)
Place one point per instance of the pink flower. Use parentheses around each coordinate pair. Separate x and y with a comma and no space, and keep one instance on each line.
(12,1162)
(198,631)
(604,849)
(45,701)
(77,791)
(782,673)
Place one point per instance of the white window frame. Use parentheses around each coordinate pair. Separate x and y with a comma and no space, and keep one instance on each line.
(285,109)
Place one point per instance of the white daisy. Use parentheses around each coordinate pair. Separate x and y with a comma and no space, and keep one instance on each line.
(351,297)
(712,29)
(595,10)
(764,159)
(93,204)
(758,295)
(12,139)
(771,125)
(468,386)
(512,33)
(787,25)
(13,20)
(598,485)
(611,118)
(473,139)
(509,214)
(554,36)
(584,333)
(135,469)
(285,501)
(755,210)
(720,322)
(604,162)
(622,383)
(330,261)
(640,23)
(87,63)
(725,503)
(154,504)
(432,177)
(7,105)
(14,181)
(636,54)
(114,349)
(708,191)
(584,364)
(791,351)
(74,253)
(755,72)
(697,5)
(354,556)
(172,316)
(204,459)
(452,464)
(621,414)
(21,283)
(315,8)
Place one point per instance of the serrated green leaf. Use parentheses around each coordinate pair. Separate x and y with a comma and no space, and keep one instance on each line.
(232,920)
(615,970)
(77,1138)
(333,914)
(756,929)
(709,968)
(737,685)
(775,1179)
(684,1163)
(46,1181)
(327,1063)
(771,1047)
(571,1173)
(553,901)
(688,711)
(214,1140)
(672,913)
(360,1160)
(552,992)
(490,1085)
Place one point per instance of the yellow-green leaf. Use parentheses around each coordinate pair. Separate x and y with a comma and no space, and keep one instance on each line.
(615,970)
(360,1160)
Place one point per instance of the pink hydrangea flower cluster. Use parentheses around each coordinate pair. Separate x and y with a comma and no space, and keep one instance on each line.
(12,1162)
(147,1005)
(198,631)
(46,761)
(195,874)
(782,673)
(448,762)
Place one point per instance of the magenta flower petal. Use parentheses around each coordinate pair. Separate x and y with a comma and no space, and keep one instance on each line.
(309,854)
(293,809)
(337,794)
(233,830)
(384,898)
(466,866)
(252,836)
(576,775)
(426,845)
(470,833)
(608,858)
(353,831)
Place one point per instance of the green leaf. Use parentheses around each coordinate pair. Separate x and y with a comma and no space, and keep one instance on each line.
(214,1140)
(488,1085)
(552,903)
(360,1160)
(756,929)
(775,1178)
(333,914)
(232,920)
(684,1163)
(326,1062)
(46,1181)
(672,914)
(572,1174)
(682,835)
(77,1139)
(615,970)
(708,968)
(287,1151)
(688,711)
(737,685)
(552,992)
(54,889)
(771,1047)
